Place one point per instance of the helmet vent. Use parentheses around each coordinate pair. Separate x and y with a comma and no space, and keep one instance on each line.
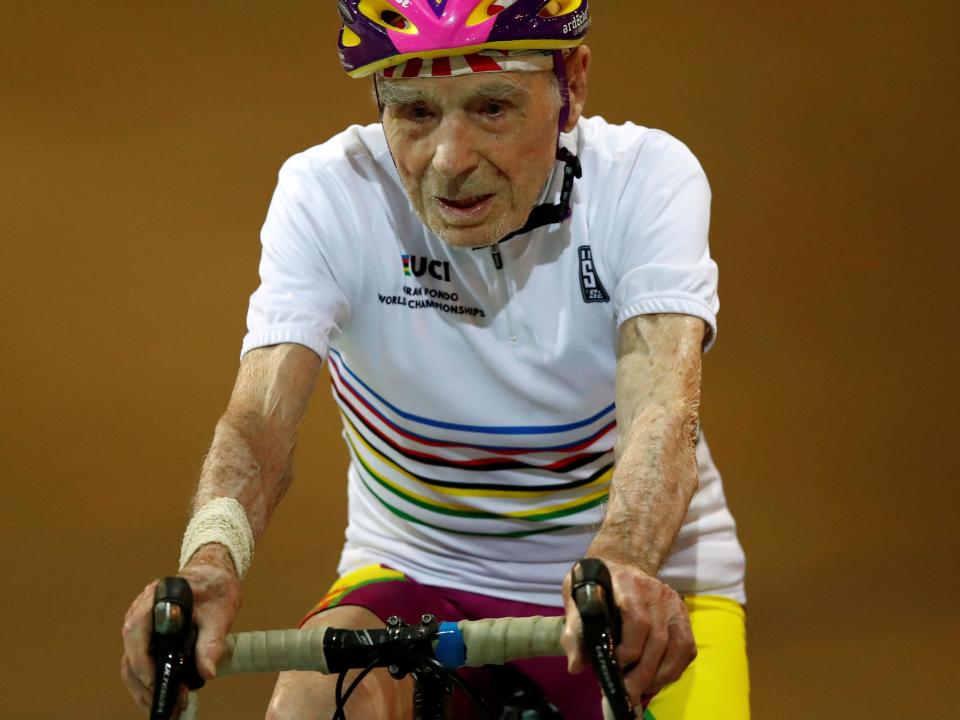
(345,13)
(387,14)
(486,9)
(394,19)
(555,8)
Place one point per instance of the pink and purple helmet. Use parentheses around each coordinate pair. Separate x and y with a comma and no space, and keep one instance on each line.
(378,34)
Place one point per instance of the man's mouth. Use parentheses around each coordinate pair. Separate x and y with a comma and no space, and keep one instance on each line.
(466,203)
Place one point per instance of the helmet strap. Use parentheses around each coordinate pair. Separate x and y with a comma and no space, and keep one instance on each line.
(560,69)
(548,213)
(545,213)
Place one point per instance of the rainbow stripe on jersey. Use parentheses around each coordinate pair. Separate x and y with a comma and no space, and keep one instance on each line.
(490,481)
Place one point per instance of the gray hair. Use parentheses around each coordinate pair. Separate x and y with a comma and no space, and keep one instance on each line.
(394,91)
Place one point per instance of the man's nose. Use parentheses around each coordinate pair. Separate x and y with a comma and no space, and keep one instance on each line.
(457,153)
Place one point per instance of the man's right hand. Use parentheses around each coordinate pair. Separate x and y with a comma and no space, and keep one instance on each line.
(216,596)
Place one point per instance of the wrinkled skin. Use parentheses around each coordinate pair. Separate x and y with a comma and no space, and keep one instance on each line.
(250,459)
(655,477)
(474,152)
(216,592)
(657,644)
(473,155)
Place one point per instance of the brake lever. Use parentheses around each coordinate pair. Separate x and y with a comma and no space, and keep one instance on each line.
(593,594)
(172,645)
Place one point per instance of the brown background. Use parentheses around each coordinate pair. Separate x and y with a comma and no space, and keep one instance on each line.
(139,146)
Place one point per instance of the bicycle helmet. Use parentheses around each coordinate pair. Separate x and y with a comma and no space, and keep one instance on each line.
(377,34)
(481,35)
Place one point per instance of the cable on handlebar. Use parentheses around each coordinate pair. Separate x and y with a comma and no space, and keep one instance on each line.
(452,676)
(341,697)
(403,656)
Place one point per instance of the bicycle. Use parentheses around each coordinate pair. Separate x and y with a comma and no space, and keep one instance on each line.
(430,651)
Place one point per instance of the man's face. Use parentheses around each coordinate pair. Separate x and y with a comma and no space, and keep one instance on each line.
(473,151)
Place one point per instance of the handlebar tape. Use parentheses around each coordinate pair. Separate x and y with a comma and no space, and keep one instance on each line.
(496,641)
(274,651)
(487,642)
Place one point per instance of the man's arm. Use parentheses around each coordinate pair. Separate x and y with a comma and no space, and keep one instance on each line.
(251,457)
(658,406)
(250,460)
(655,477)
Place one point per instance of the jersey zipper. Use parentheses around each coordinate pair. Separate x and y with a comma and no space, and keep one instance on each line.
(504,290)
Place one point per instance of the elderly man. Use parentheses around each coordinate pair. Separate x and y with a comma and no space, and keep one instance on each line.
(515,351)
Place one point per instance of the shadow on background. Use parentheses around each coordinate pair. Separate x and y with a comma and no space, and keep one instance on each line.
(140,146)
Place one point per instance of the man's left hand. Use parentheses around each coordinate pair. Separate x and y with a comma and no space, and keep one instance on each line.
(656,642)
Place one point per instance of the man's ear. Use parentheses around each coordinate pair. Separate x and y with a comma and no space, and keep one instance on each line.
(577,65)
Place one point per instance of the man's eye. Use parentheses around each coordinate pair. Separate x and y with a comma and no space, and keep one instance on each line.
(493,108)
(419,112)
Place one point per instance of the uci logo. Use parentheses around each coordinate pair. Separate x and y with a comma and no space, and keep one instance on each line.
(420,266)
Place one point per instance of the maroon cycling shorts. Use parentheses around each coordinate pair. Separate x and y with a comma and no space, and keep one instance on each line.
(387,592)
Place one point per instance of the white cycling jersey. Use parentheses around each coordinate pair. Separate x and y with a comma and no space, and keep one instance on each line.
(477,386)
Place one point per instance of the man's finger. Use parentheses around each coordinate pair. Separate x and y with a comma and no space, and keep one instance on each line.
(136,630)
(636,628)
(639,679)
(132,680)
(681,651)
(142,694)
(572,639)
(210,641)
(208,653)
(144,698)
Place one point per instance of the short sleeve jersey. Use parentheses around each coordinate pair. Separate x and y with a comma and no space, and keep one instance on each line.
(476,387)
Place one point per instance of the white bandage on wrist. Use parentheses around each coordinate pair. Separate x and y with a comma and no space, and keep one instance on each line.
(224,521)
